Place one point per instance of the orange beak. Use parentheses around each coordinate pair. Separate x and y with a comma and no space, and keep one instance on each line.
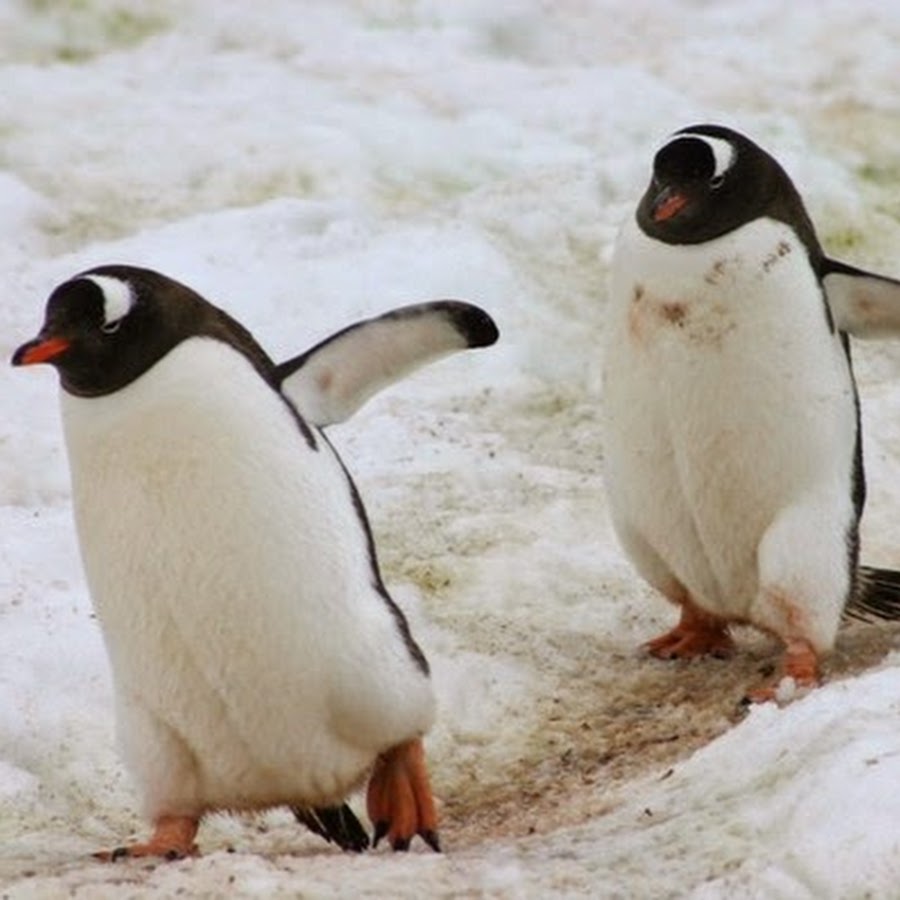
(668,204)
(40,350)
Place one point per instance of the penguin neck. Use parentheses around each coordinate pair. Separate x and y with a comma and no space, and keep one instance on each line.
(761,250)
(180,393)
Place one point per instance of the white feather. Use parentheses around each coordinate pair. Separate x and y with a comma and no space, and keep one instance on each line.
(254,663)
(723,151)
(117,297)
(731,427)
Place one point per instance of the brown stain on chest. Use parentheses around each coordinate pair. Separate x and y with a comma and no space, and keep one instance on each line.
(673,313)
(636,314)
(782,249)
(702,323)
(716,272)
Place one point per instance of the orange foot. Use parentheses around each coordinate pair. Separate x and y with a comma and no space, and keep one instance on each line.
(173,838)
(697,634)
(800,663)
(399,797)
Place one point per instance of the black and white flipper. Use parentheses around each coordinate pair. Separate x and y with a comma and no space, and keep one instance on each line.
(863,304)
(335,378)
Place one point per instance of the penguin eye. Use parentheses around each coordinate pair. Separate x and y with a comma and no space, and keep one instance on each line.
(111,327)
(717,181)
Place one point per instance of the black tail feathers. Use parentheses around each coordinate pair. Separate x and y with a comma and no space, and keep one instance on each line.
(337,824)
(877,596)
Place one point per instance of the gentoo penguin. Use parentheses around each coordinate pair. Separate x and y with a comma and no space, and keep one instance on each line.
(733,456)
(257,657)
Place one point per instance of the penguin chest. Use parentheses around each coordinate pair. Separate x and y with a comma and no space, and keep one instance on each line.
(233,580)
(728,397)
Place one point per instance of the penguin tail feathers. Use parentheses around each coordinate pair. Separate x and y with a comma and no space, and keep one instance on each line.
(337,824)
(877,596)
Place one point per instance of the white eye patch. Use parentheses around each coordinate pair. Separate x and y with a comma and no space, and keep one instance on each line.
(117,298)
(723,151)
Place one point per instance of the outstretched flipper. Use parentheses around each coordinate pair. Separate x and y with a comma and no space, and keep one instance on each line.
(336,377)
(862,304)
(337,824)
(877,596)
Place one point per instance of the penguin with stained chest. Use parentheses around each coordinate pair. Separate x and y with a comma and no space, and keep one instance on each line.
(733,454)
(257,658)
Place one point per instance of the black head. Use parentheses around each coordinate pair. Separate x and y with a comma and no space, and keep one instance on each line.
(107,326)
(709,180)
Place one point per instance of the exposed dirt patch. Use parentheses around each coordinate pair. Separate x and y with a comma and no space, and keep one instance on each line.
(602,713)
(622,717)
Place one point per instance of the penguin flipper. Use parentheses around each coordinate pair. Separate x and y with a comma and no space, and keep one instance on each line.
(337,824)
(335,378)
(863,305)
(877,597)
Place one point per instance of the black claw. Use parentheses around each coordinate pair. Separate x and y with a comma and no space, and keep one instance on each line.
(336,824)
(431,838)
(173,854)
(119,853)
(401,845)
(381,829)
(348,830)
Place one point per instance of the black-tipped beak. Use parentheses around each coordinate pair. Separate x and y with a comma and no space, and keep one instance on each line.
(667,204)
(40,350)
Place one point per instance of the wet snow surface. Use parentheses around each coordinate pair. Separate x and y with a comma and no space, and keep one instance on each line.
(305,164)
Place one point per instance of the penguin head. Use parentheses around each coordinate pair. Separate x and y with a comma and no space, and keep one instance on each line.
(107,326)
(709,180)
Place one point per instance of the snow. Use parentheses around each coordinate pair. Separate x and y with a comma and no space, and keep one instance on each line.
(309,164)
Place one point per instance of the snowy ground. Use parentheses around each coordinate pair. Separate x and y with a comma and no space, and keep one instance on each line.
(308,163)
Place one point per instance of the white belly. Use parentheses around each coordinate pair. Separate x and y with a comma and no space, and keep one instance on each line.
(728,401)
(254,662)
